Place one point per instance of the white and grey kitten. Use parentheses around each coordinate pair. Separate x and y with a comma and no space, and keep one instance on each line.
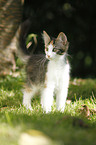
(47,73)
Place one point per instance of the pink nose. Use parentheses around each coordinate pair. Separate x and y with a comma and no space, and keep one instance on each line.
(48,56)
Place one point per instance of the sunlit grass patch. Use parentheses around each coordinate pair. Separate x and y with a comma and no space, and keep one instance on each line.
(74,126)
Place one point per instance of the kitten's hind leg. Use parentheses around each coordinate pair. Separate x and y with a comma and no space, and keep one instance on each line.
(27,96)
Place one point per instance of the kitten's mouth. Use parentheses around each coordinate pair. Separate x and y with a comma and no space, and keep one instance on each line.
(49,57)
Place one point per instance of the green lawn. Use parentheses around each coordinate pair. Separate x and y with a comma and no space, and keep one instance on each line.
(73,127)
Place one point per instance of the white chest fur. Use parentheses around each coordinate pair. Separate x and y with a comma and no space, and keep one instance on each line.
(58,72)
(57,79)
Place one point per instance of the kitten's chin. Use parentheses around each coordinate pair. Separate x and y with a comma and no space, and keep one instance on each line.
(48,58)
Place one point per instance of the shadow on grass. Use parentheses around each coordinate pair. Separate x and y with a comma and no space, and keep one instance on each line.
(10,91)
(82,88)
(11,83)
(58,126)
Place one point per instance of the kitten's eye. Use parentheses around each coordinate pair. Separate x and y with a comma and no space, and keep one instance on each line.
(60,52)
(54,49)
(46,49)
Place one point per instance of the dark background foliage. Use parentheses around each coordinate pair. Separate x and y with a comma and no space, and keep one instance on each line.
(77,19)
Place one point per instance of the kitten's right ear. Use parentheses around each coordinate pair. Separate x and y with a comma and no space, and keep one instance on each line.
(46,38)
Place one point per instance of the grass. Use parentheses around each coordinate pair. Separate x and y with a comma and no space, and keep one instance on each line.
(68,128)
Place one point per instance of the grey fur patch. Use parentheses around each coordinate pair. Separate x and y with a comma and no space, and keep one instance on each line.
(36,69)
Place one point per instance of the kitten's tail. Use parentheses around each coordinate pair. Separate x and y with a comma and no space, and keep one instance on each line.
(22,50)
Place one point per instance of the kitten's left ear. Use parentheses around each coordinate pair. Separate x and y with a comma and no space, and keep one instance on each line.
(62,42)
(46,38)
(62,37)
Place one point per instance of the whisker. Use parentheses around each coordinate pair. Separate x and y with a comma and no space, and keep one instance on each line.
(42,63)
(68,55)
(40,60)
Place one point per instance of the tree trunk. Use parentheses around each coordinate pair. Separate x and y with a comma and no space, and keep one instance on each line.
(10,18)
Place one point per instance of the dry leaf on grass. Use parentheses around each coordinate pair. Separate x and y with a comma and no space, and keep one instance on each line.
(86,111)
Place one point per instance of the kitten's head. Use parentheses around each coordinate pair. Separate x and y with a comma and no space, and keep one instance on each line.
(56,47)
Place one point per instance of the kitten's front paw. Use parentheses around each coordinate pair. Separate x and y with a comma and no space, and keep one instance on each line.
(28,107)
(61,109)
(46,110)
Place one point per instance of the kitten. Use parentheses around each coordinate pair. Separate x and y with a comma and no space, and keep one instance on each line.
(47,73)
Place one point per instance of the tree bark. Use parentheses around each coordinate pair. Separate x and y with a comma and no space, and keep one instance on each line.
(10,18)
